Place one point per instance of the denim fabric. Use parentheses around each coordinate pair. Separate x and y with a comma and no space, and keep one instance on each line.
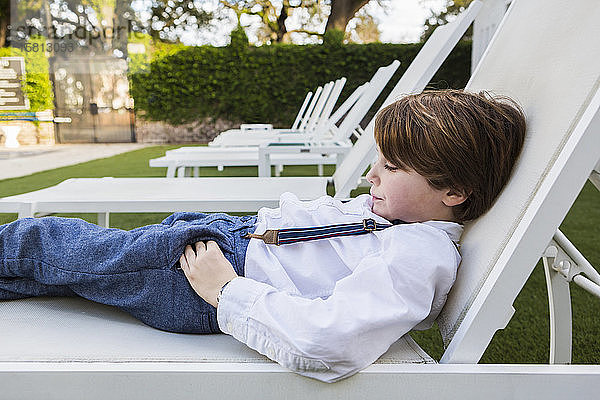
(136,271)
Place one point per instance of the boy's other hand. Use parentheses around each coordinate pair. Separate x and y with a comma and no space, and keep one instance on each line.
(206,269)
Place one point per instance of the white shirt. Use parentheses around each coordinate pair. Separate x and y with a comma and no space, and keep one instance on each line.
(329,308)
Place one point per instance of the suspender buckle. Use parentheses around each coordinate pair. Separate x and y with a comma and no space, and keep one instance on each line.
(271,236)
(369,225)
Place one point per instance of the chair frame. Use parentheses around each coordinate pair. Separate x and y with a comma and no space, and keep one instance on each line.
(455,377)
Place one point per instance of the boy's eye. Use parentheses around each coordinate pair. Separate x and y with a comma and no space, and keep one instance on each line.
(390,167)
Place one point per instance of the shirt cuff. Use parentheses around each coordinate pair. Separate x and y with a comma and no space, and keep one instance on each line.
(235,303)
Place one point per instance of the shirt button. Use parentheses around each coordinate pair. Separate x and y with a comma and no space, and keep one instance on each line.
(229,327)
(270,353)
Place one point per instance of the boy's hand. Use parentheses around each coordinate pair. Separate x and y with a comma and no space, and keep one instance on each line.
(206,269)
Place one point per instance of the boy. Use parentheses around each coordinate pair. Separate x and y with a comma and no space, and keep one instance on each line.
(324,307)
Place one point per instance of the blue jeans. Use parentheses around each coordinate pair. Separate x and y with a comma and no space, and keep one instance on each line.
(136,271)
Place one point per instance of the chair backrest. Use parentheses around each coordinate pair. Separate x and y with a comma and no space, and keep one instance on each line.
(309,110)
(365,102)
(298,119)
(550,68)
(323,111)
(346,105)
(415,78)
(316,112)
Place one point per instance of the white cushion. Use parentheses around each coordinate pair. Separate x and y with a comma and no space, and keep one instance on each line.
(63,329)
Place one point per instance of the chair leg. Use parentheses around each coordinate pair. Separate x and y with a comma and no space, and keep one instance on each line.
(559,302)
(595,178)
(104,219)
(556,268)
(26,210)
(171,171)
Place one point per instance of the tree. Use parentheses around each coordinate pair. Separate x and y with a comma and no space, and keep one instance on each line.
(311,14)
(171,17)
(87,25)
(4,21)
(98,26)
(365,30)
(273,16)
(342,11)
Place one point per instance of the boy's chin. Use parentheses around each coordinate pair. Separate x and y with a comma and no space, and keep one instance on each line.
(377,210)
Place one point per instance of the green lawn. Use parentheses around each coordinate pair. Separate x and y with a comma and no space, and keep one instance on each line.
(525,340)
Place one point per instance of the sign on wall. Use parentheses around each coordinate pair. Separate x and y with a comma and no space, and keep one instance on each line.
(12,71)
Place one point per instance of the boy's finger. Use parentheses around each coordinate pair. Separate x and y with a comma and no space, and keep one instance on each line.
(200,246)
(183,262)
(189,252)
(212,245)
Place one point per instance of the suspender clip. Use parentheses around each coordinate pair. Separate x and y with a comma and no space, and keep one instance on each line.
(369,225)
(271,236)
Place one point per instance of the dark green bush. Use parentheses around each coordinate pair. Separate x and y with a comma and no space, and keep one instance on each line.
(239,37)
(268,83)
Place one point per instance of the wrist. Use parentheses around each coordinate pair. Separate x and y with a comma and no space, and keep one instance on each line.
(220,292)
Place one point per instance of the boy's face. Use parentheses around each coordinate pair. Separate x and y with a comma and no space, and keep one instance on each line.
(406,195)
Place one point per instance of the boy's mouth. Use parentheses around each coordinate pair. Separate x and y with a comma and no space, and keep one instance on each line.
(375,197)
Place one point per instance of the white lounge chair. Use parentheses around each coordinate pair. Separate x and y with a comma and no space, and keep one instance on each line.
(318,111)
(48,352)
(354,108)
(178,160)
(323,131)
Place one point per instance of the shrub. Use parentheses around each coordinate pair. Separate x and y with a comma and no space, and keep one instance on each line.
(268,83)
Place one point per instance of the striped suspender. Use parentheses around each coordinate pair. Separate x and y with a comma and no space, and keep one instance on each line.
(295,235)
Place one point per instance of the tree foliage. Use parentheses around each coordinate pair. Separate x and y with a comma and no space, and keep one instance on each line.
(311,15)
(87,26)
(365,29)
(171,17)
(273,16)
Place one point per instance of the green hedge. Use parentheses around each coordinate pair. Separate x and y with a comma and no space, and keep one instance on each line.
(268,83)
(37,84)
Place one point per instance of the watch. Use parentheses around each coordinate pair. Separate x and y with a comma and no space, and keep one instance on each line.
(221,291)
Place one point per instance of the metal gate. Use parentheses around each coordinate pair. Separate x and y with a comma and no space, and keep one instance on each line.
(94,93)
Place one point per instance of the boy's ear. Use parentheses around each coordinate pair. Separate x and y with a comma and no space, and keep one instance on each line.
(455,197)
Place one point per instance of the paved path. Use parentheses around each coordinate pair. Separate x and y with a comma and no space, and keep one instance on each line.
(27,160)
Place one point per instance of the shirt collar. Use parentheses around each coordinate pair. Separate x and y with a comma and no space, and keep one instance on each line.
(452,229)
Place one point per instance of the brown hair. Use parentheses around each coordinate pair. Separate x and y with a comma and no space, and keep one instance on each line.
(467,142)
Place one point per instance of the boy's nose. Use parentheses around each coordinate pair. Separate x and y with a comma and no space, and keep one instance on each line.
(371,176)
